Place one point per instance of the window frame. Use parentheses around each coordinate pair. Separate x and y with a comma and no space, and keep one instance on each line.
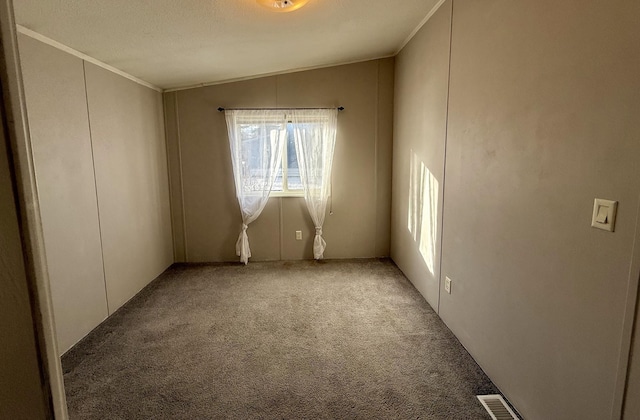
(286,192)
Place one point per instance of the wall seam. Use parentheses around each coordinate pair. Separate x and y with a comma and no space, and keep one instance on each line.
(281,227)
(280,199)
(424,21)
(84,57)
(171,190)
(620,395)
(180,171)
(22,171)
(95,183)
(444,165)
(376,163)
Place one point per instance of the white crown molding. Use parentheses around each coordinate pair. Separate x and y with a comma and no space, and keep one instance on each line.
(433,10)
(35,35)
(276,73)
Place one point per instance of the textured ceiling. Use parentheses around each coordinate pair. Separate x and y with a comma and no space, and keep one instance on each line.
(173,43)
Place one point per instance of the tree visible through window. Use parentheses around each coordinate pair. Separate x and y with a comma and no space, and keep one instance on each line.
(288,181)
(258,154)
(275,152)
(254,137)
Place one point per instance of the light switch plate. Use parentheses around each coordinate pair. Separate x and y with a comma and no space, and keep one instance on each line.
(447,284)
(604,214)
(298,235)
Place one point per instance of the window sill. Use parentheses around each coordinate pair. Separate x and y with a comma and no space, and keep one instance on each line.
(286,194)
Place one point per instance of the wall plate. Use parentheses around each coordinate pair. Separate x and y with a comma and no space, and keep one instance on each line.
(604,214)
(447,284)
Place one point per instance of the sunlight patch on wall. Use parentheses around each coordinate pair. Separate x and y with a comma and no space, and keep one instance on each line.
(423,209)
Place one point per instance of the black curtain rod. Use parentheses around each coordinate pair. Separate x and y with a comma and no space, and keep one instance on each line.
(340,108)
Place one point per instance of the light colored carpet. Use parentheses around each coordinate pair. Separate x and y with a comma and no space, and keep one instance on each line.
(275,340)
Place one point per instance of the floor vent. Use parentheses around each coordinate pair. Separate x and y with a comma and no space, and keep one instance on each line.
(497,407)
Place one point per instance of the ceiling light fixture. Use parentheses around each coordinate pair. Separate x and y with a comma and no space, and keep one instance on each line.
(283,5)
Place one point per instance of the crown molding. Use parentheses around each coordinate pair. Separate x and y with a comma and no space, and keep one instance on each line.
(433,10)
(37,36)
(276,73)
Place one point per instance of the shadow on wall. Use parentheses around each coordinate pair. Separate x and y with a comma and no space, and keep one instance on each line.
(423,209)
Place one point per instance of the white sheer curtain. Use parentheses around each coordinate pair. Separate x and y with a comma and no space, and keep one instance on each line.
(315,139)
(256,139)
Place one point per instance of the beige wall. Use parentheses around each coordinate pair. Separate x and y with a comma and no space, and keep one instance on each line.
(21,395)
(632,402)
(422,73)
(108,235)
(59,128)
(127,130)
(542,119)
(206,217)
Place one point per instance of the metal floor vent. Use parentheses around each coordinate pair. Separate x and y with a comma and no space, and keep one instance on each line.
(497,407)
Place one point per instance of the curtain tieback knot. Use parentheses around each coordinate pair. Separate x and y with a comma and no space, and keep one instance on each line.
(244,227)
(319,230)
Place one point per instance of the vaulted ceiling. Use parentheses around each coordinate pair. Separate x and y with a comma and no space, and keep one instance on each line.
(174,43)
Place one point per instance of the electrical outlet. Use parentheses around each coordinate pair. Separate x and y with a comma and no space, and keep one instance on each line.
(298,235)
(447,284)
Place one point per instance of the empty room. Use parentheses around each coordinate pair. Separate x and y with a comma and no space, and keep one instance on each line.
(287,209)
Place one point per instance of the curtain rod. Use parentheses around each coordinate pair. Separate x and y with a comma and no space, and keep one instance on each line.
(340,108)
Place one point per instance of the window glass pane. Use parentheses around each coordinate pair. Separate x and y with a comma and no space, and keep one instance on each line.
(293,173)
(255,158)
(277,184)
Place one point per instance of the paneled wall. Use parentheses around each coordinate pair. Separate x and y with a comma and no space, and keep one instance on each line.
(100,162)
(206,215)
(127,131)
(632,402)
(421,88)
(542,119)
(21,385)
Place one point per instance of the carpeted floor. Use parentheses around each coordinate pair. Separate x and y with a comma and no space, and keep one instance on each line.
(276,340)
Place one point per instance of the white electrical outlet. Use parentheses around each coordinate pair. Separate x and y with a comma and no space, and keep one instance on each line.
(447,284)
(298,235)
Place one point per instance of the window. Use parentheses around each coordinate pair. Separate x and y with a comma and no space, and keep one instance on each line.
(259,141)
(276,153)
(288,182)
